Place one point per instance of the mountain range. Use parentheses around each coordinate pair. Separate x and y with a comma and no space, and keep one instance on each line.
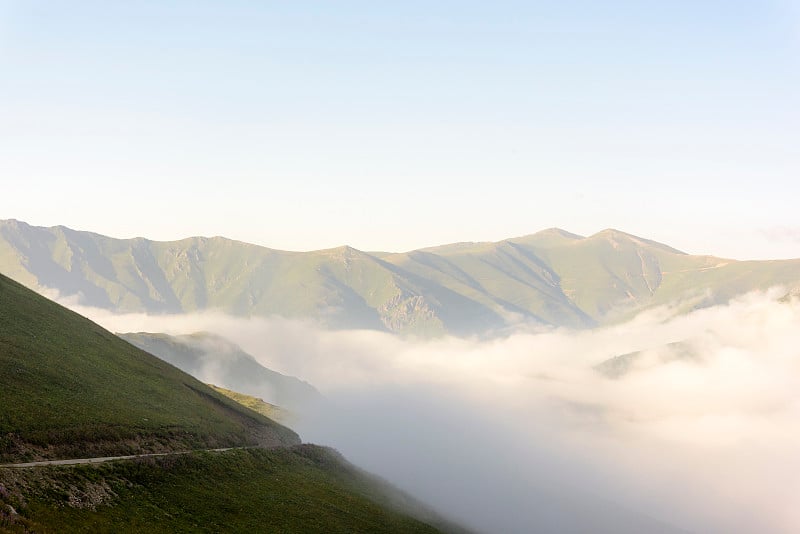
(552,277)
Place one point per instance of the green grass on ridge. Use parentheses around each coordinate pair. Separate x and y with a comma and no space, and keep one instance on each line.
(69,388)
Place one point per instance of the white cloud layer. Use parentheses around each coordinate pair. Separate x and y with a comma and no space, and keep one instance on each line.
(782,233)
(522,434)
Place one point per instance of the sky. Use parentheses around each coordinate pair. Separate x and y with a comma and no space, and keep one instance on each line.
(397,125)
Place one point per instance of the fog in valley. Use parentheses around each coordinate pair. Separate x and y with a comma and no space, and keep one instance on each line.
(698,430)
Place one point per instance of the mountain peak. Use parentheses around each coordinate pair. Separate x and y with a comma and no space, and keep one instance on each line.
(550,237)
(560,232)
(614,235)
(343,250)
(613,232)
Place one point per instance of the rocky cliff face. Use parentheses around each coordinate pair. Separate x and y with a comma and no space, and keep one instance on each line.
(405,314)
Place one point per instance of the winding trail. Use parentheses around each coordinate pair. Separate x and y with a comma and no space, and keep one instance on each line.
(104,459)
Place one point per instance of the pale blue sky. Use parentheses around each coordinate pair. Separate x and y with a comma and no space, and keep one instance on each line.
(396,125)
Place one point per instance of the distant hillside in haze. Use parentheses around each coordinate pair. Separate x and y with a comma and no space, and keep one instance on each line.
(551,278)
(211,358)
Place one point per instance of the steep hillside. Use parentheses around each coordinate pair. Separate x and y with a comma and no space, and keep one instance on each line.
(300,489)
(211,358)
(69,388)
(509,282)
(613,274)
(568,280)
(276,413)
(552,277)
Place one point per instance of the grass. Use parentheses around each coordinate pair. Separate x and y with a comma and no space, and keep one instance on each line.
(301,489)
(69,388)
(276,413)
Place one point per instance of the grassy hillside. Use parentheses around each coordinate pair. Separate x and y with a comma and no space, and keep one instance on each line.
(276,413)
(211,358)
(69,388)
(341,287)
(552,277)
(301,489)
(509,283)
(567,280)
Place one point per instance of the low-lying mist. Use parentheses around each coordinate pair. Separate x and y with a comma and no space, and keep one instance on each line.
(524,434)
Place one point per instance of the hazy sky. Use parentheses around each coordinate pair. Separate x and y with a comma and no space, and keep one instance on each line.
(395,125)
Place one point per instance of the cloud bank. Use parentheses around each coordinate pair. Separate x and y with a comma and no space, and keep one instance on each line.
(782,233)
(523,434)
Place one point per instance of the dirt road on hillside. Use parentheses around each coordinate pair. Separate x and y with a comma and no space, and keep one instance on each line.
(100,460)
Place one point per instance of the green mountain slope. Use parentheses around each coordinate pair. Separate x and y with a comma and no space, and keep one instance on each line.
(552,277)
(300,489)
(569,280)
(69,388)
(276,413)
(342,288)
(211,358)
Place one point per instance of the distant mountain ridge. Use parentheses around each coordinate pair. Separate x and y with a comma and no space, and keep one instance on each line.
(552,277)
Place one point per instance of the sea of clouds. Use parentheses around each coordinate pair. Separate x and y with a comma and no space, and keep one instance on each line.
(521,433)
